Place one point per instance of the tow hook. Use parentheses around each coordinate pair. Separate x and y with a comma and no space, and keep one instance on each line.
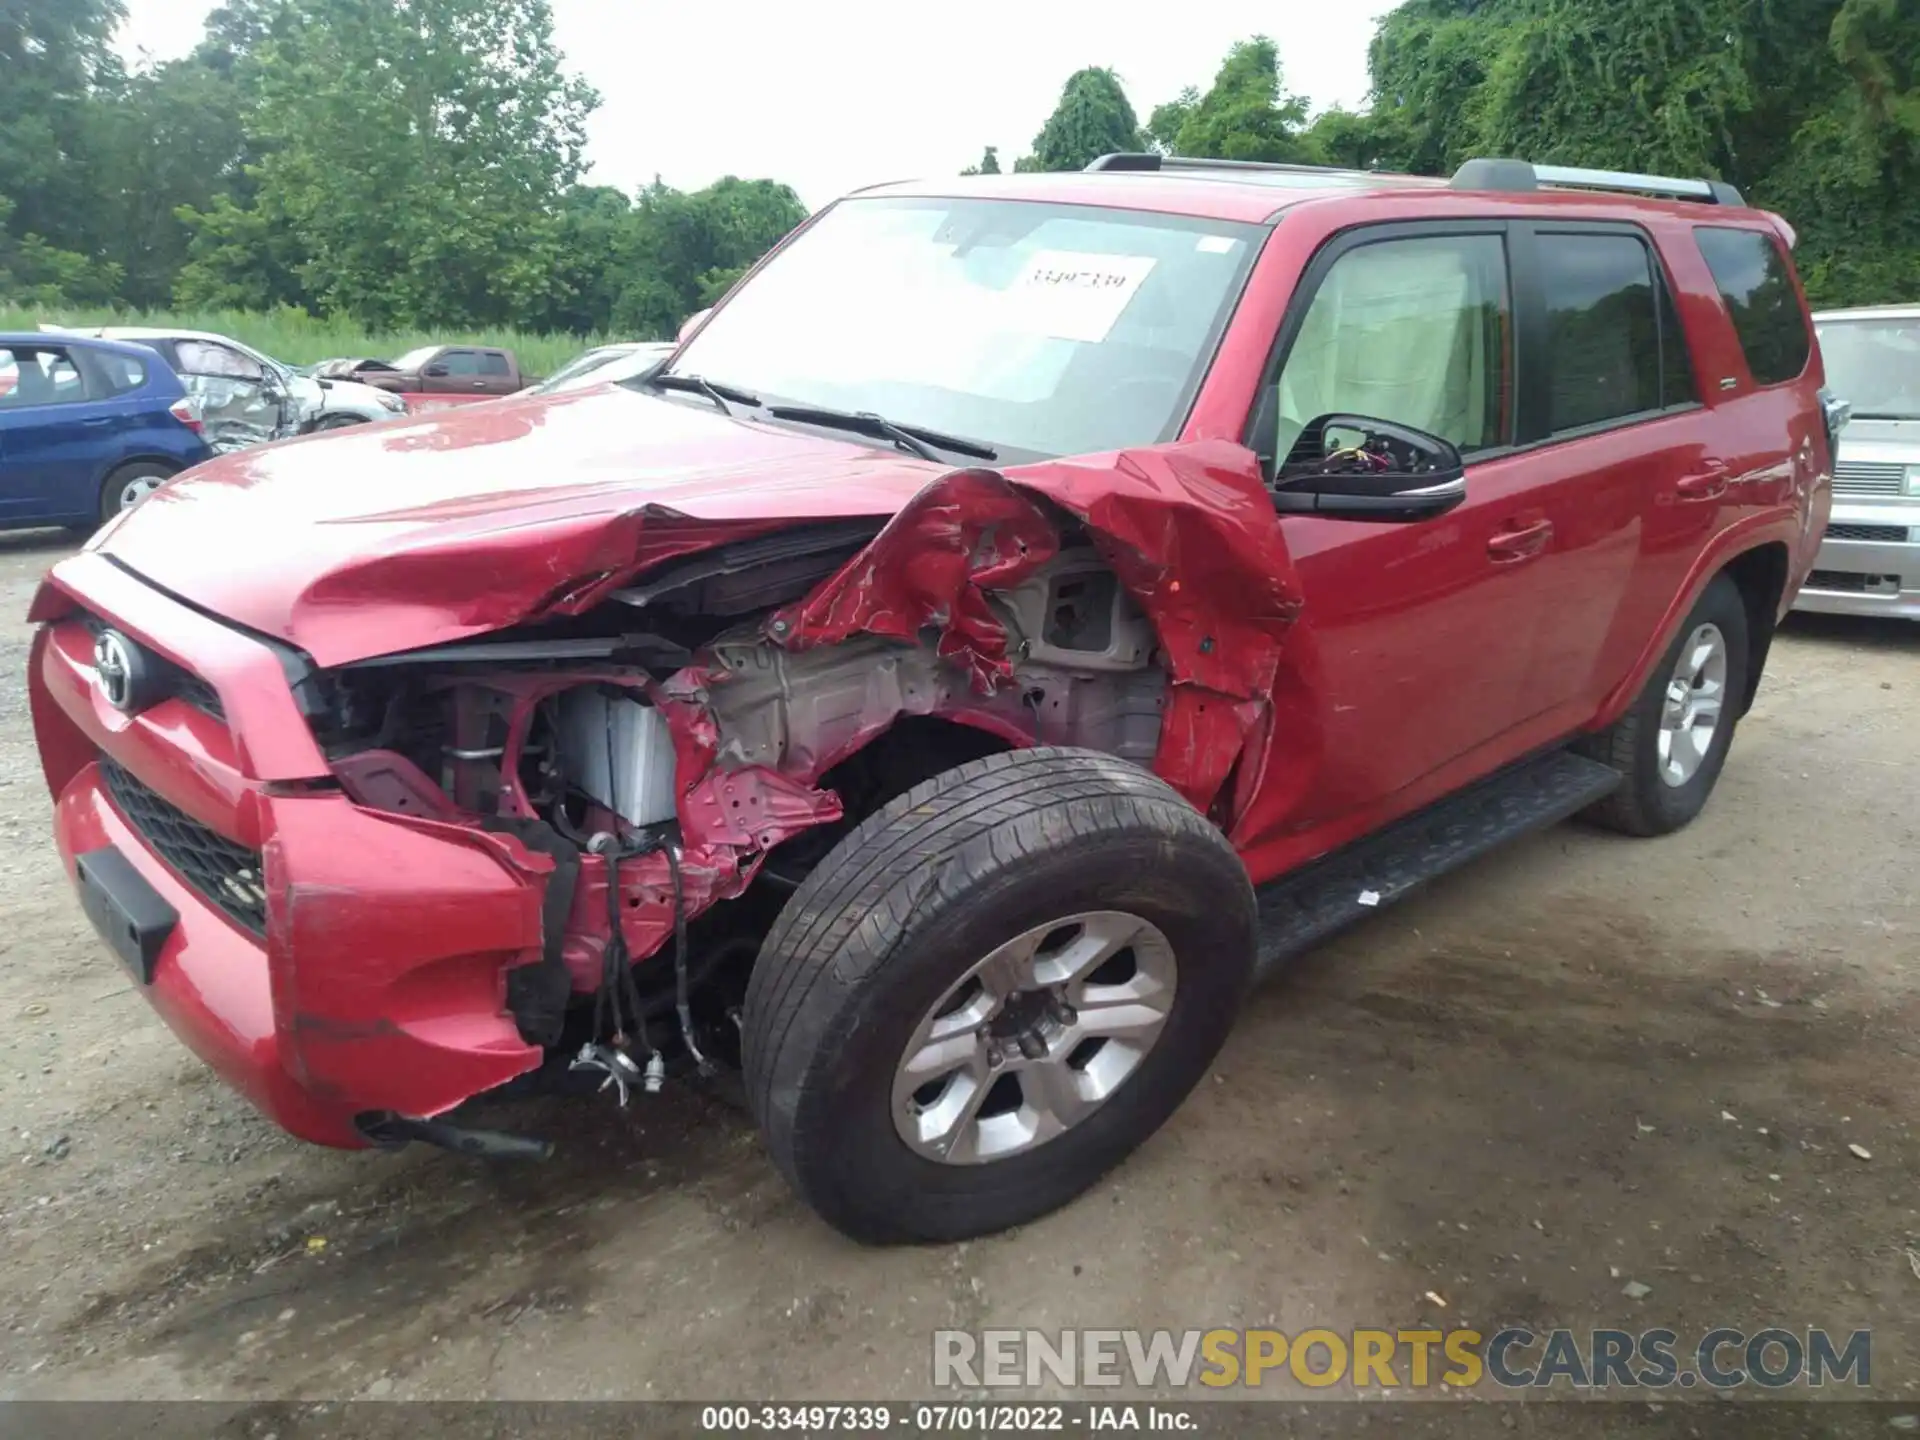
(389,1131)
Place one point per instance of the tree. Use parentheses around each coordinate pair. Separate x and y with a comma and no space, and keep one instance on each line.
(989,164)
(1093,118)
(417,149)
(1812,108)
(56,67)
(1242,116)
(687,250)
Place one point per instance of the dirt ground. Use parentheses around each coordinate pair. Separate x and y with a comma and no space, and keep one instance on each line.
(1584,1062)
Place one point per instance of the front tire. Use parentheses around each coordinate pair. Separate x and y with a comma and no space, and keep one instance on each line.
(1673,742)
(993,990)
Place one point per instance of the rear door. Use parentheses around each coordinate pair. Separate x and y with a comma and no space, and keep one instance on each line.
(1616,453)
(496,373)
(53,433)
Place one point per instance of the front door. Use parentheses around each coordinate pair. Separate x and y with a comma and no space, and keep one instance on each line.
(1409,667)
(51,433)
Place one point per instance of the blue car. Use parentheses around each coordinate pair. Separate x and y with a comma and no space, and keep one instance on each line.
(88,428)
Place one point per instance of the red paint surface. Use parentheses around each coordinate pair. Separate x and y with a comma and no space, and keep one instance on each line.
(1351,672)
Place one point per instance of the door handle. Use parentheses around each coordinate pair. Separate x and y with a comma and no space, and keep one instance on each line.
(100,423)
(1520,542)
(1707,485)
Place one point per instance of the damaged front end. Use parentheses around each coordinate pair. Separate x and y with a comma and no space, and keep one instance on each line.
(660,753)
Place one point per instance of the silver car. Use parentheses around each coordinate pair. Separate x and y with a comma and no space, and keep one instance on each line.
(1869,563)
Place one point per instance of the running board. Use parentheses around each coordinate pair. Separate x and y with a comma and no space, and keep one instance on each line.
(1301,909)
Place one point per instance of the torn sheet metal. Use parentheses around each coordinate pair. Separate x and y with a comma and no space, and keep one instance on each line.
(1189,530)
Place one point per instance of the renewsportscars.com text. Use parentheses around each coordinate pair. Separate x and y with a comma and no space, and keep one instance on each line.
(1513,1358)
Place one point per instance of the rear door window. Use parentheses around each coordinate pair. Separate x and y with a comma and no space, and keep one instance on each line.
(39,375)
(1751,270)
(118,374)
(492,362)
(1615,349)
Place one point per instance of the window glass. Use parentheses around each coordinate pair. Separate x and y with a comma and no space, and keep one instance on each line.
(1875,364)
(38,376)
(414,359)
(1036,328)
(1676,365)
(461,362)
(1752,274)
(203,357)
(492,362)
(120,373)
(1603,328)
(1412,331)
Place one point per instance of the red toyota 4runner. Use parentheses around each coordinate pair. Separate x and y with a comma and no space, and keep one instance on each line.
(1024,611)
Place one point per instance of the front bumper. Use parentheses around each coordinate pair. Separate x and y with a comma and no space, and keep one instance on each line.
(376,981)
(1869,563)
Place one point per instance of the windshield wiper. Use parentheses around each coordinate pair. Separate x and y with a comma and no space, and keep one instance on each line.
(715,390)
(913,438)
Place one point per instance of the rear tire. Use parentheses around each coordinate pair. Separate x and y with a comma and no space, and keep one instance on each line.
(1671,766)
(1095,867)
(130,484)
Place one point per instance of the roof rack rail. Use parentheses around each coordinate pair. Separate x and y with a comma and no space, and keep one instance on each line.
(1523,176)
(1132,160)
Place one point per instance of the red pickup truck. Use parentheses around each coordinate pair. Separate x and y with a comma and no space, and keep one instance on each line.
(1025,611)
(434,377)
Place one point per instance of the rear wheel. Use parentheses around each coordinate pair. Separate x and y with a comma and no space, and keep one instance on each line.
(991,991)
(130,484)
(1672,743)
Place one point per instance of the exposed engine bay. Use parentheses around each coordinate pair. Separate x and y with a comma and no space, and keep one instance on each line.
(574,736)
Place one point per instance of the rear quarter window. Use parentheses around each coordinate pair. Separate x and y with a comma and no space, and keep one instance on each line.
(120,374)
(1752,274)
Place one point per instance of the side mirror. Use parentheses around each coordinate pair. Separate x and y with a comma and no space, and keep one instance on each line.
(692,323)
(1353,467)
(435,371)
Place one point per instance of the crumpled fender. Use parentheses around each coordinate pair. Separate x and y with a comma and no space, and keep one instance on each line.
(1189,530)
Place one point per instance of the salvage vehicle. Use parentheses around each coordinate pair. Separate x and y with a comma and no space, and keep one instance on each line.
(435,376)
(1869,561)
(1025,610)
(247,397)
(88,429)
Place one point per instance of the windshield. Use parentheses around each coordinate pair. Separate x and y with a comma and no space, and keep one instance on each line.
(1876,365)
(1048,329)
(414,359)
(583,365)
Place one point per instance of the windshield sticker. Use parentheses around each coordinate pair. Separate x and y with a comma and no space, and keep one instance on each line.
(1215,245)
(1066,295)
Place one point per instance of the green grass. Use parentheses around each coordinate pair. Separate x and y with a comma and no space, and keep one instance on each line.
(297,338)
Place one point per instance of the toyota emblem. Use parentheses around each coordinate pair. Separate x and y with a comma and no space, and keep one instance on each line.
(122,670)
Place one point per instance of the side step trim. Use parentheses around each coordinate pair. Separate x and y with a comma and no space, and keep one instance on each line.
(1299,910)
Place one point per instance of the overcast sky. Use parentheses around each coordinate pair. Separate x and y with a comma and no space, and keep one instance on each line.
(829,96)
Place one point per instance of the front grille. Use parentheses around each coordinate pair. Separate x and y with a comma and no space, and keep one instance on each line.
(1860,477)
(175,683)
(1886,534)
(1849,583)
(225,873)
(197,693)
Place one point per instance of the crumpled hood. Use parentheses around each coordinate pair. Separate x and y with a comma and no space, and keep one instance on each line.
(421,531)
